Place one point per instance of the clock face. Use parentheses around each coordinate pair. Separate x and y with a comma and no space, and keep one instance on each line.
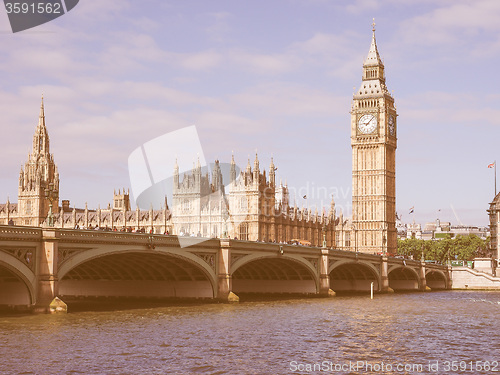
(392,125)
(367,124)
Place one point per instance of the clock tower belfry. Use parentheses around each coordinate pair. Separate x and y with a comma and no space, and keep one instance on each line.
(374,142)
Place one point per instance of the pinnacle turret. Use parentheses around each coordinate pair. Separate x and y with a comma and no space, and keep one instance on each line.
(232,173)
(272,173)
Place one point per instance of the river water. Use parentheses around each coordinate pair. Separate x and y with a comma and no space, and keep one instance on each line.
(392,334)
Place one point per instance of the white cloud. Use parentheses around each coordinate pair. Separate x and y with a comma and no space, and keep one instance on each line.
(453,23)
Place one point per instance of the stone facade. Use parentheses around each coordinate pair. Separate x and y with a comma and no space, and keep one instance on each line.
(38,194)
(374,142)
(253,208)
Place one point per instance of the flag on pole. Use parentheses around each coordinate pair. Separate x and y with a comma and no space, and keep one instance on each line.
(412,209)
(492,165)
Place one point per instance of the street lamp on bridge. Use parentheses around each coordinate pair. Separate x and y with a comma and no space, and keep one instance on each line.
(323,230)
(51,194)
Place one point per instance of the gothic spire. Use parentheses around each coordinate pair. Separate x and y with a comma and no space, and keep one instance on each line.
(373,84)
(232,172)
(272,172)
(41,137)
(331,214)
(41,119)
(249,168)
(373,58)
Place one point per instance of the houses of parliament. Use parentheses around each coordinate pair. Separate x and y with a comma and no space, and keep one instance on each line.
(251,205)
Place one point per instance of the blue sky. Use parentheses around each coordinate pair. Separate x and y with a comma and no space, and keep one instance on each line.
(273,76)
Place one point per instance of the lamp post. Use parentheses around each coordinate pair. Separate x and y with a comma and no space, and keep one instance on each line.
(226,217)
(384,241)
(51,194)
(355,238)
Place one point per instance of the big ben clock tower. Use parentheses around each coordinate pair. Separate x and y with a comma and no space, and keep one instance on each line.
(373,141)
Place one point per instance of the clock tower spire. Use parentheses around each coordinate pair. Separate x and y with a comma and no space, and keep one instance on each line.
(374,142)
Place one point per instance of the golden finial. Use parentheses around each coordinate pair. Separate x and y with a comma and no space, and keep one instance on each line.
(373,25)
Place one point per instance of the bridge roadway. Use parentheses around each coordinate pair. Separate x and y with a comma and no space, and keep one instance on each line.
(38,264)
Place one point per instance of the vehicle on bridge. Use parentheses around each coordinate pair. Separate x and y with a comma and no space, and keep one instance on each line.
(296,241)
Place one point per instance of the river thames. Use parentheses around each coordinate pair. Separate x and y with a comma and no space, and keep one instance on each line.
(454,332)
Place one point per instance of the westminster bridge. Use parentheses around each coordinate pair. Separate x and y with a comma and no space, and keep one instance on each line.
(38,264)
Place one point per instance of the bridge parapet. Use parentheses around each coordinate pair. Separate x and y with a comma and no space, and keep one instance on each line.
(17,233)
(46,258)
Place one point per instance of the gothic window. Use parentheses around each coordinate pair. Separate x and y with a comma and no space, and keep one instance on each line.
(186,205)
(243,204)
(243,232)
(28,208)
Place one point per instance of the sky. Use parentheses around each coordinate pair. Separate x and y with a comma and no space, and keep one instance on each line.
(276,77)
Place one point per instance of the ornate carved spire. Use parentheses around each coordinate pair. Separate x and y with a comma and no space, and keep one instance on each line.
(41,137)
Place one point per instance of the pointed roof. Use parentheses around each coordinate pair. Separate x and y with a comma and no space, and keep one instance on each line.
(373,58)
(41,118)
(41,135)
(256,162)
(176,166)
(249,168)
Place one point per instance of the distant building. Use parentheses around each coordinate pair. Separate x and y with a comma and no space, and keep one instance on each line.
(494,213)
(437,230)
(414,230)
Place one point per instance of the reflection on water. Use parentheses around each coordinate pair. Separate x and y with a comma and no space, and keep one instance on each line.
(257,337)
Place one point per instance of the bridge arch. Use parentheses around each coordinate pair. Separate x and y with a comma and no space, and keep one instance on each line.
(404,278)
(353,276)
(135,272)
(436,279)
(17,282)
(260,273)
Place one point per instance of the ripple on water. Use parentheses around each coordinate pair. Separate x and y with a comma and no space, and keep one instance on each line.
(254,337)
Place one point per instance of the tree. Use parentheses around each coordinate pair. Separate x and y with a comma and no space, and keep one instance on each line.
(461,247)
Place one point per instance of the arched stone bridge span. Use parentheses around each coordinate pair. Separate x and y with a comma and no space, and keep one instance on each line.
(38,264)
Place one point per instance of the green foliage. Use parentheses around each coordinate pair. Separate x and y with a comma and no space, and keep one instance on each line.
(460,247)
